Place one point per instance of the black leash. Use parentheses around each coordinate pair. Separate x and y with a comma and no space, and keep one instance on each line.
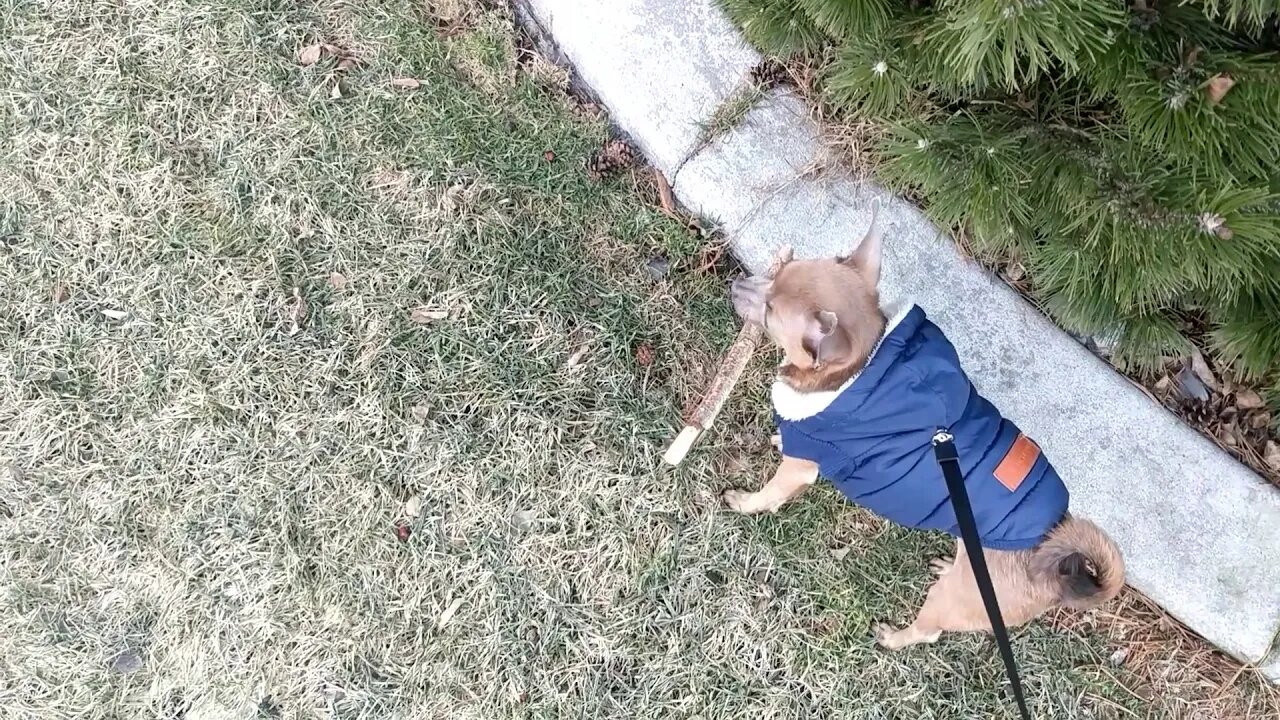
(944,449)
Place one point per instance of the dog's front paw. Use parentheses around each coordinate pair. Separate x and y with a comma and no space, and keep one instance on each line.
(747,503)
(886,636)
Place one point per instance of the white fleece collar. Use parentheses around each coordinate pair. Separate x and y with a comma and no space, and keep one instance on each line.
(792,404)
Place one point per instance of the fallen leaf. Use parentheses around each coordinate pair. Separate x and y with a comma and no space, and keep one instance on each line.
(658,267)
(389,178)
(423,315)
(337,281)
(523,519)
(310,55)
(60,293)
(126,663)
(298,312)
(665,197)
(115,314)
(1260,420)
(448,613)
(413,506)
(407,83)
(1227,434)
(1202,371)
(347,63)
(421,411)
(336,92)
(645,355)
(1272,455)
(825,625)
(1118,657)
(576,358)
(549,156)
(1218,87)
(403,532)
(1162,385)
(1191,386)
(840,552)
(1248,399)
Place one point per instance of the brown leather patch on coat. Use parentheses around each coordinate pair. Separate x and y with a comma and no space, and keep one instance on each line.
(1017,463)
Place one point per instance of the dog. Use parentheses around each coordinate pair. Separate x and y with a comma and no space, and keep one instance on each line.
(859,395)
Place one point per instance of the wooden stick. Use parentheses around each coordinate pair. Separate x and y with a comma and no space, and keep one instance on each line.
(717,392)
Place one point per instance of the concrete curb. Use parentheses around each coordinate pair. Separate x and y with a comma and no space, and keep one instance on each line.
(1200,531)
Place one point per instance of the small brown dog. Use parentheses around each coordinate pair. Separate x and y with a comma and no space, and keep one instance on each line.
(859,396)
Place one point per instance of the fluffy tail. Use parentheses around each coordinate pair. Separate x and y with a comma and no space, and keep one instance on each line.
(1080,563)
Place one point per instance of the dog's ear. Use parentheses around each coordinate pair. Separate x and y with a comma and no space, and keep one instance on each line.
(822,340)
(866,259)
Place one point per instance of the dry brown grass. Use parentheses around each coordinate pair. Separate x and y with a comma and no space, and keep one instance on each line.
(237,485)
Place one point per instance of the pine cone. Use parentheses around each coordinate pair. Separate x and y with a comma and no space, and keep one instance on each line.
(615,155)
(1200,414)
(768,73)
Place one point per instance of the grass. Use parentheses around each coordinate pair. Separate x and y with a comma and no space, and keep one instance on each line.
(218,408)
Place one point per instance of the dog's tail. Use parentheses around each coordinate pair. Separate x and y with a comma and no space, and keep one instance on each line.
(1080,563)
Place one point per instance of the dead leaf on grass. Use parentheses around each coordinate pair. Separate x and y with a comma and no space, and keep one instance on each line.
(310,55)
(1248,399)
(413,506)
(389,178)
(115,314)
(448,613)
(60,293)
(421,411)
(407,83)
(1202,371)
(1271,454)
(127,662)
(1162,385)
(523,519)
(1191,385)
(665,197)
(347,63)
(425,315)
(297,312)
(336,92)
(337,281)
(576,358)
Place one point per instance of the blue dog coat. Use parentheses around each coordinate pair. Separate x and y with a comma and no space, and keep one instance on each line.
(872,437)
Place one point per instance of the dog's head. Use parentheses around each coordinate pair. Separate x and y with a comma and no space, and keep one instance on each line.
(824,314)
